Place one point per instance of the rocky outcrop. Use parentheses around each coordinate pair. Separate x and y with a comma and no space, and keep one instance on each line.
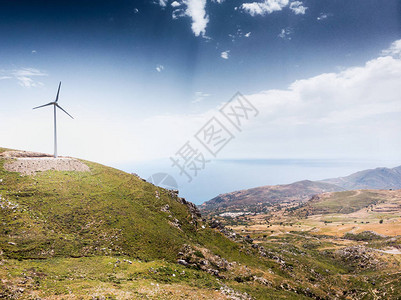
(359,257)
(204,260)
(194,211)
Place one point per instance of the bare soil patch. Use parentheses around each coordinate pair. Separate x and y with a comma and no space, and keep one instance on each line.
(29,163)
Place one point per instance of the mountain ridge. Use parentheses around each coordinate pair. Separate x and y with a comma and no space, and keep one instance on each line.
(299,191)
(378,178)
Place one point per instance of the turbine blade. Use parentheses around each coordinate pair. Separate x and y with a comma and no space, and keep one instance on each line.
(43,105)
(64,110)
(58,91)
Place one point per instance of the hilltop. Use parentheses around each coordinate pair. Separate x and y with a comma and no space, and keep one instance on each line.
(87,210)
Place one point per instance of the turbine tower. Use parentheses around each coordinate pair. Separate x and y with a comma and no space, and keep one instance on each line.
(55,105)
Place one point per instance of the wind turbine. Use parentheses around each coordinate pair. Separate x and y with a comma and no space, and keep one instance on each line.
(55,105)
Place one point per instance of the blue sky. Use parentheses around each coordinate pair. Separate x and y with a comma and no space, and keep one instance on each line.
(142,77)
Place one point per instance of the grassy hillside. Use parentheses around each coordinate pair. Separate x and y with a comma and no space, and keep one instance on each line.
(344,202)
(106,234)
(104,211)
(372,201)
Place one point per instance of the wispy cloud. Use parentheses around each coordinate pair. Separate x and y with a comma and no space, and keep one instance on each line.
(163,3)
(175,4)
(298,8)
(238,35)
(323,16)
(200,96)
(225,54)
(159,68)
(178,13)
(285,33)
(24,76)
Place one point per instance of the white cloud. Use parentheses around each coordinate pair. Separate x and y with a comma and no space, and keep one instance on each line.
(175,4)
(197,12)
(265,7)
(285,33)
(352,113)
(298,8)
(159,68)
(225,54)
(394,50)
(34,52)
(218,1)
(136,10)
(270,6)
(248,34)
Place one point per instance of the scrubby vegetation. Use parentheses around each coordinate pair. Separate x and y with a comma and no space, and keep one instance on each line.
(106,234)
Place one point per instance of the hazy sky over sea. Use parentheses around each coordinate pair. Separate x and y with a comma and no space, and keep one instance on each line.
(143,78)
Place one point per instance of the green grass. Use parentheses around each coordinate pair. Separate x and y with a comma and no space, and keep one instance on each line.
(64,233)
(104,211)
(345,202)
(82,276)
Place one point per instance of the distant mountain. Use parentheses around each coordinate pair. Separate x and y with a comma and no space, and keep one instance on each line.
(379,178)
(297,191)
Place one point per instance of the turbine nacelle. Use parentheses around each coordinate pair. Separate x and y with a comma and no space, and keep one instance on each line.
(55,102)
